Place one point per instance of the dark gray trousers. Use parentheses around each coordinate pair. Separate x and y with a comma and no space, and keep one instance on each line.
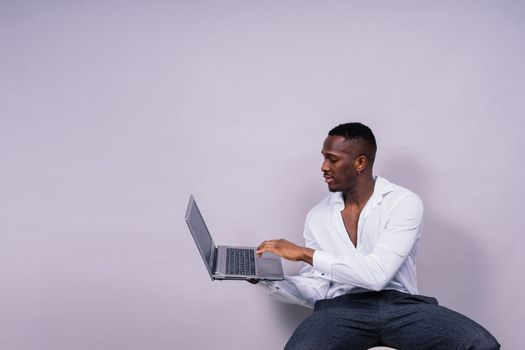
(389,318)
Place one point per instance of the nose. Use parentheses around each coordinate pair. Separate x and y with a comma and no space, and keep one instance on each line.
(324,166)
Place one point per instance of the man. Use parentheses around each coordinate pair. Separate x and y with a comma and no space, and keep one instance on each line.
(361,243)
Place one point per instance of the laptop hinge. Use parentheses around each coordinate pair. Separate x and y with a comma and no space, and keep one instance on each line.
(213,261)
(215,255)
(220,272)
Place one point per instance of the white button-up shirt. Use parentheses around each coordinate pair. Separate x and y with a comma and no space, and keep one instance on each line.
(384,258)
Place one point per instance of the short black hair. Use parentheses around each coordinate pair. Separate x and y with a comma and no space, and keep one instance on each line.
(358,131)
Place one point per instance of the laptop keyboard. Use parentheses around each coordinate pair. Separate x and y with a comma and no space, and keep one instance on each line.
(240,261)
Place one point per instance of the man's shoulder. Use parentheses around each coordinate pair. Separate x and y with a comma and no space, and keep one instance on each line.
(325,204)
(393,191)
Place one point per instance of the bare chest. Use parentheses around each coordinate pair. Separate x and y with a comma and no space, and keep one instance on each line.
(351,219)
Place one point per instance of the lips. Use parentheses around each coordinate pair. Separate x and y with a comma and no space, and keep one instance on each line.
(328,179)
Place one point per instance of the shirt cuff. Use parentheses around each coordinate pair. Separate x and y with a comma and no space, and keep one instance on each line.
(322,262)
(287,292)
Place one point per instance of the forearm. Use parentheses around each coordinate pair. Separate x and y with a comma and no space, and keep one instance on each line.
(304,289)
(366,271)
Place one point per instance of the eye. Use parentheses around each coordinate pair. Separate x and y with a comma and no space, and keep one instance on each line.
(330,158)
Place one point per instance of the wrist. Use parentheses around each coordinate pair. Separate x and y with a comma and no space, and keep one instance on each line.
(308,255)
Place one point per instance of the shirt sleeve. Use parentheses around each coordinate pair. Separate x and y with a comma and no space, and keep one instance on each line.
(373,271)
(304,289)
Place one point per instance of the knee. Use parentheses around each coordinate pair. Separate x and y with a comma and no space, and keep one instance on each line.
(302,339)
(308,334)
(299,343)
(482,342)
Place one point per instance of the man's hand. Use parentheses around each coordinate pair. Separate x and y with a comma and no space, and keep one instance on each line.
(286,250)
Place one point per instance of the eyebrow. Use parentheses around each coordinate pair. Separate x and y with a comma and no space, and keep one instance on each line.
(329,154)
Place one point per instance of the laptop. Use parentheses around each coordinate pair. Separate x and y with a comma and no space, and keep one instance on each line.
(230,262)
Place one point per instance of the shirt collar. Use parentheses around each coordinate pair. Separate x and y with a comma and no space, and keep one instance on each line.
(381,188)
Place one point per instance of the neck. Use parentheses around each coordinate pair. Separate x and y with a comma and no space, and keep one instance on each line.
(359,194)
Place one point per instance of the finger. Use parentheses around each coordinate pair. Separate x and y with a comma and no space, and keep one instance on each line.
(260,251)
(261,245)
(266,246)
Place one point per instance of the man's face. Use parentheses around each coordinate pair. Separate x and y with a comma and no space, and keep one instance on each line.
(338,165)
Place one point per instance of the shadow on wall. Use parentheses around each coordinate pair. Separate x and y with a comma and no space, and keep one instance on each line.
(450,261)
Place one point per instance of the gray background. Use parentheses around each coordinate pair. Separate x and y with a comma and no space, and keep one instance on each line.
(113,112)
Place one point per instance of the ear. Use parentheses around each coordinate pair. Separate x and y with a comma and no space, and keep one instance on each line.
(360,163)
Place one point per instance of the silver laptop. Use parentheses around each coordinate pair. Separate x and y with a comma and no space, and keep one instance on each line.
(228,262)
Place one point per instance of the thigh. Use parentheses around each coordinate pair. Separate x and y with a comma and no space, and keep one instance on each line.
(418,322)
(335,328)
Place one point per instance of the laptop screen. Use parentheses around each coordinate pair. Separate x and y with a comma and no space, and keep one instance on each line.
(200,234)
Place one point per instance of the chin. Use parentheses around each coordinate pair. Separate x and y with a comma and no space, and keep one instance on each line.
(333,189)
